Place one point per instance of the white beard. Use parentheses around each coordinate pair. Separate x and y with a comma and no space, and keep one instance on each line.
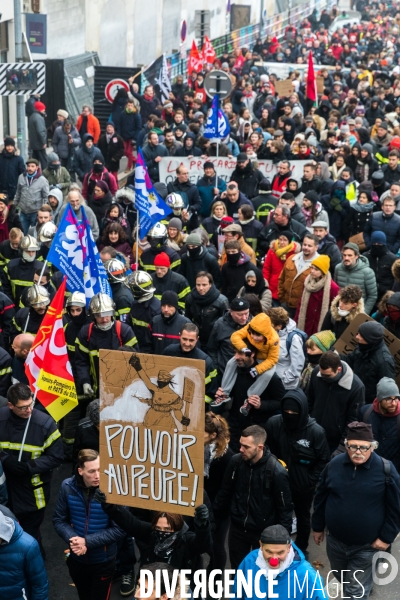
(264,565)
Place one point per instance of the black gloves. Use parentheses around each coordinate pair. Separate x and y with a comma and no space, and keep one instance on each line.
(134,361)
(185,421)
(201,516)
(12,465)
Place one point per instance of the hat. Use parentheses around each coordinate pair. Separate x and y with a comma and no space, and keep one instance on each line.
(193,240)
(32,160)
(225,65)
(52,157)
(175,222)
(386,388)
(170,298)
(242,157)
(359,431)
(234,228)
(312,196)
(225,222)
(322,262)
(345,129)
(378,237)
(93,411)
(9,141)
(312,141)
(208,165)
(287,234)
(309,130)
(168,104)
(394,300)
(324,340)
(371,331)
(39,106)
(378,176)
(367,147)
(352,246)
(383,125)
(275,534)
(264,186)
(62,113)
(198,114)
(103,185)
(278,132)
(351,121)
(323,224)
(162,260)
(239,304)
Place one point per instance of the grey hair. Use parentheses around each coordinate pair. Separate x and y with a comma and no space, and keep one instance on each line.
(285,210)
(374,444)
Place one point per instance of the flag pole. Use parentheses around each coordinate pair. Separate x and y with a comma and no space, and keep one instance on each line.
(137,242)
(26,428)
(41,274)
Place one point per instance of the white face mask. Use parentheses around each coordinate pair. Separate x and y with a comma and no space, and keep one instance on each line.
(343,313)
(105,326)
(27,257)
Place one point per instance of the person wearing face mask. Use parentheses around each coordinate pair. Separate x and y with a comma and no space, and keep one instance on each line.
(145,305)
(197,258)
(102,333)
(233,272)
(347,305)
(315,346)
(164,329)
(19,272)
(392,320)
(86,155)
(381,260)
(57,175)
(371,359)
(301,443)
(29,318)
(204,305)
(335,395)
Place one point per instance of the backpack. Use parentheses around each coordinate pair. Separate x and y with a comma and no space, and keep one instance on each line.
(269,469)
(290,336)
(118,328)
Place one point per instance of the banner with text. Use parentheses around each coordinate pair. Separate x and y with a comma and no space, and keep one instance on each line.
(152,431)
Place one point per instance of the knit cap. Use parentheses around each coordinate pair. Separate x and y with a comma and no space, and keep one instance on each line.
(226,221)
(170,298)
(362,432)
(312,196)
(162,260)
(93,411)
(39,106)
(9,141)
(371,331)
(52,157)
(275,534)
(239,304)
(193,240)
(352,246)
(176,223)
(322,262)
(324,340)
(378,237)
(62,113)
(386,388)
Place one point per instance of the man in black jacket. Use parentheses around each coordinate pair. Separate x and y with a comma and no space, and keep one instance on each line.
(327,244)
(164,329)
(196,259)
(164,279)
(357,500)
(335,395)
(111,145)
(188,192)
(309,181)
(392,169)
(281,222)
(298,440)
(247,178)
(255,491)
(153,152)
(11,167)
(380,260)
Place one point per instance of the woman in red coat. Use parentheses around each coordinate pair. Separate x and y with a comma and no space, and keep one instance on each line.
(318,293)
(275,260)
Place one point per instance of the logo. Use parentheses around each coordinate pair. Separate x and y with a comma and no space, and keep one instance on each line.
(384,568)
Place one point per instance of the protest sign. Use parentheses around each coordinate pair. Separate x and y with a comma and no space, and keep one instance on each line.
(224,166)
(347,342)
(320,85)
(284,88)
(152,431)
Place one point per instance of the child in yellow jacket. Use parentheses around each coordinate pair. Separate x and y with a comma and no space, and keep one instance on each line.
(260,334)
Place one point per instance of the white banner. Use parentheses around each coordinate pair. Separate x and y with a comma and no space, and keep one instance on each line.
(223,166)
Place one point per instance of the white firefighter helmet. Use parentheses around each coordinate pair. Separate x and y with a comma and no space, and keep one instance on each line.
(115,270)
(76,299)
(47,232)
(140,283)
(101,305)
(28,242)
(37,296)
(175,202)
(157,235)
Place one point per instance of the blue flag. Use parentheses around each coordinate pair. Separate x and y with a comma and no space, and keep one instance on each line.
(217,125)
(150,206)
(75,253)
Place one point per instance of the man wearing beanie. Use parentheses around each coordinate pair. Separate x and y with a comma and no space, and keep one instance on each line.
(11,167)
(357,502)
(355,270)
(37,132)
(313,210)
(371,360)
(164,329)
(327,243)
(280,558)
(380,260)
(301,443)
(384,417)
(164,279)
(387,221)
(197,258)
(56,175)
(209,187)
(392,321)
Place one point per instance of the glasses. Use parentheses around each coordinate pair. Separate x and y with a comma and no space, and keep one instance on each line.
(354,448)
(25,408)
(395,399)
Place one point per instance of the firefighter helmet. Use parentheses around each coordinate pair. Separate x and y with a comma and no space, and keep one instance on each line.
(76,299)
(115,270)
(140,283)
(37,296)
(101,305)
(47,232)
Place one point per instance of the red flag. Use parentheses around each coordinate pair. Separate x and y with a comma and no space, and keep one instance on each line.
(195,62)
(208,53)
(311,88)
(47,366)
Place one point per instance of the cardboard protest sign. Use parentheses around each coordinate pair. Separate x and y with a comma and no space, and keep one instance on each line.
(152,431)
(320,85)
(284,88)
(347,342)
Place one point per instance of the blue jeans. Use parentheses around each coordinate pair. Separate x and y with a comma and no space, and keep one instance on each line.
(27,219)
(351,558)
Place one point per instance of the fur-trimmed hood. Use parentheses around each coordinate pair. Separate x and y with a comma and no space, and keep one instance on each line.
(396,269)
(125,192)
(358,310)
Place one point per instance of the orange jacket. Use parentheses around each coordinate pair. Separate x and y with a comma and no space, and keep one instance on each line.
(93,126)
(291,283)
(244,248)
(268,351)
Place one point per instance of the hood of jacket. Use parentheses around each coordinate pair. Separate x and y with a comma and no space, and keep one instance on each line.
(346,381)
(189,135)
(357,310)
(262,325)
(301,399)
(7,528)
(57,193)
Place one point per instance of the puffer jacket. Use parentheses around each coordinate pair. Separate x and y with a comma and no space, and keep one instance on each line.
(11,167)
(363,276)
(268,351)
(274,264)
(305,450)
(60,142)
(206,187)
(22,569)
(77,513)
(30,197)
(386,431)
(205,310)
(328,247)
(390,227)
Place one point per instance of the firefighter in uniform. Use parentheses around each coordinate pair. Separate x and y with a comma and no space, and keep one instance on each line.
(121,295)
(157,236)
(190,220)
(164,279)
(29,318)
(144,307)
(74,319)
(28,480)
(103,333)
(19,272)
(165,328)
(45,236)
(5,371)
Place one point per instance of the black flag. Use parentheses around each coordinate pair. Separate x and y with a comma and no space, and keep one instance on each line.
(157,76)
